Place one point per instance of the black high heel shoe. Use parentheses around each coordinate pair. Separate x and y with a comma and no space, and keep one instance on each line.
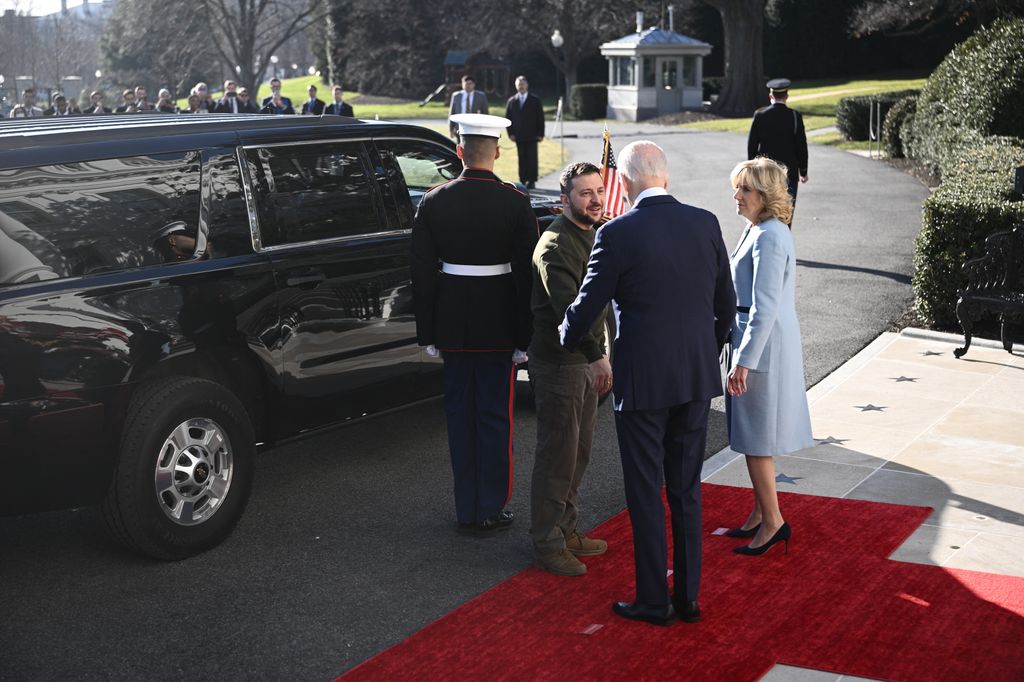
(743,532)
(781,535)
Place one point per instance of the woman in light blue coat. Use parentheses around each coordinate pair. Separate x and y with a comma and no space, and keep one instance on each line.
(766,402)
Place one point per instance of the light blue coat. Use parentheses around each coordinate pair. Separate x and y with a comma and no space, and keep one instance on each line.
(772,417)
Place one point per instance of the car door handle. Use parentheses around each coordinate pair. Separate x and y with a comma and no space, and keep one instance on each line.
(305,279)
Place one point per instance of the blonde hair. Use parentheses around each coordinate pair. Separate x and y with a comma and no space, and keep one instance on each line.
(769,179)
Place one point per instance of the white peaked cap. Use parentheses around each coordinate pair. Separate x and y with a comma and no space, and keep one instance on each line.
(481,124)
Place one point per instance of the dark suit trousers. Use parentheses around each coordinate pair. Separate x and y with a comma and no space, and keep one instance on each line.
(668,442)
(793,182)
(478,393)
(527,160)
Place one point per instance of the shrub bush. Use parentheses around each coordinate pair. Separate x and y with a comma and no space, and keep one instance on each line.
(853,114)
(892,127)
(975,200)
(713,85)
(975,92)
(589,100)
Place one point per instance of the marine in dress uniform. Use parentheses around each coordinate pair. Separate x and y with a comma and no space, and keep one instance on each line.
(472,243)
(778,133)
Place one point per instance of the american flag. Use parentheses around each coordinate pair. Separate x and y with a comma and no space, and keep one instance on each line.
(614,193)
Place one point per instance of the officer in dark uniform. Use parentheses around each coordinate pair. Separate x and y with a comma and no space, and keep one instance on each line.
(778,133)
(472,242)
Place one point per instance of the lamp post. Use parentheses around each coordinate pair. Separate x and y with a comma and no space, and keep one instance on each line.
(273,61)
(556,42)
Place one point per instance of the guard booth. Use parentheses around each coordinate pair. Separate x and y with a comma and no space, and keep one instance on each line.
(491,76)
(654,72)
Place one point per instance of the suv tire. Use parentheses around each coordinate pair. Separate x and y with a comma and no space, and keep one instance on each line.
(184,469)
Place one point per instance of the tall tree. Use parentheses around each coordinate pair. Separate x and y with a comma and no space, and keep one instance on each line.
(743,25)
(155,43)
(246,33)
(903,18)
(583,25)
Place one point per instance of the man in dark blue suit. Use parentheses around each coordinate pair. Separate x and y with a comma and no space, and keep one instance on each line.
(665,268)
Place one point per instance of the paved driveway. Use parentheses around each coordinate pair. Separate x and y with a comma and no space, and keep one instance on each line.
(348,544)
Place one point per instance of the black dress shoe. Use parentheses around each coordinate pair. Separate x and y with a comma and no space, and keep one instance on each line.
(688,611)
(658,615)
(503,521)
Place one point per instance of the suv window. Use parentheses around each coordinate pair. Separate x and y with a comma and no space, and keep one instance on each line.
(68,220)
(311,192)
(423,165)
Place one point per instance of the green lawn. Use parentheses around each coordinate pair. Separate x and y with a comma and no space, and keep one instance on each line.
(817,101)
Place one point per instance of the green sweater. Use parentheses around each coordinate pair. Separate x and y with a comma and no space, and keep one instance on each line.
(559,266)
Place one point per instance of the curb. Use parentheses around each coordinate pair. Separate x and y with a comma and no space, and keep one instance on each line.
(946,337)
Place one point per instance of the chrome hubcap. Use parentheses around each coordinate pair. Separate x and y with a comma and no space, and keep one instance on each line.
(193,471)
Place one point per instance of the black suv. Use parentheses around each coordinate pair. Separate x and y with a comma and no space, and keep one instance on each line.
(176,291)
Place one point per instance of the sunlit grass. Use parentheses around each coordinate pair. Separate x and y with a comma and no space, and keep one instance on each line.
(549,157)
(817,101)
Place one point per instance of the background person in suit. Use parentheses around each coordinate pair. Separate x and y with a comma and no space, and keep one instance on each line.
(778,133)
(313,105)
(527,115)
(277,105)
(665,268)
(96,106)
(275,89)
(245,104)
(766,406)
(339,107)
(466,101)
(472,240)
(61,108)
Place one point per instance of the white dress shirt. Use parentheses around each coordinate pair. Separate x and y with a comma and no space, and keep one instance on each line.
(650,192)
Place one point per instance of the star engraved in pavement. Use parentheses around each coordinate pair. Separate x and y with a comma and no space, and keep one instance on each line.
(783,478)
(829,440)
(871,408)
(902,378)
(931,352)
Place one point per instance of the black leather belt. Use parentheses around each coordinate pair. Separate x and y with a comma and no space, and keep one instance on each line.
(742,309)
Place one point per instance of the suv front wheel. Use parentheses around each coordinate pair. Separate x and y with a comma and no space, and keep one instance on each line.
(184,469)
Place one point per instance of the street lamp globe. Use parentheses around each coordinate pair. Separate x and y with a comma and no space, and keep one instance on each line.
(311,71)
(2,79)
(273,59)
(99,74)
(557,40)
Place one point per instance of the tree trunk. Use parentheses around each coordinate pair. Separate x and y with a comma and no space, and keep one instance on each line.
(743,26)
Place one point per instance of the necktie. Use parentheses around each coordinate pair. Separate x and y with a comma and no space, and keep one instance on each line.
(465,102)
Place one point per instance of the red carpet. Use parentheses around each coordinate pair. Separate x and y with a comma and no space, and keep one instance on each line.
(835,603)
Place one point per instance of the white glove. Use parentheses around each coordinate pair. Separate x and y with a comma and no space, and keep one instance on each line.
(519,357)
(432,351)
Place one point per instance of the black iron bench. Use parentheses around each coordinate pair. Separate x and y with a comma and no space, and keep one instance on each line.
(995,284)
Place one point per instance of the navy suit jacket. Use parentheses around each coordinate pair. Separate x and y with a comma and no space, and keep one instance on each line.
(665,268)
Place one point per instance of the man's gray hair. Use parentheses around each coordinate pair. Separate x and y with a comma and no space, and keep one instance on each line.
(643,159)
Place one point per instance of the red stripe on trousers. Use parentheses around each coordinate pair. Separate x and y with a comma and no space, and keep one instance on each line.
(511,424)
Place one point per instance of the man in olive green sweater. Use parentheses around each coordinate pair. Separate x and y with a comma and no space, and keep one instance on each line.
(566,384)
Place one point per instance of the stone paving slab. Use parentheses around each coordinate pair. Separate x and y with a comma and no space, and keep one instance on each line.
(906,422)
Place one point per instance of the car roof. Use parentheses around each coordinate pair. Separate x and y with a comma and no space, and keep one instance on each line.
(38,141)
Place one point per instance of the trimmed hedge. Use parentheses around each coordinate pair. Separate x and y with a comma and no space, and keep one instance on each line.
(968,128)
(589,100)
(853,114)
(892,127)
(974,93)
(975,200)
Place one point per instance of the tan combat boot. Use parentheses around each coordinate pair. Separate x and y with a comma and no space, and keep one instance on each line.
(580,545)
(561,562)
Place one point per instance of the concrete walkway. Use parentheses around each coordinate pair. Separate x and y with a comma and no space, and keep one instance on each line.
(905,422)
